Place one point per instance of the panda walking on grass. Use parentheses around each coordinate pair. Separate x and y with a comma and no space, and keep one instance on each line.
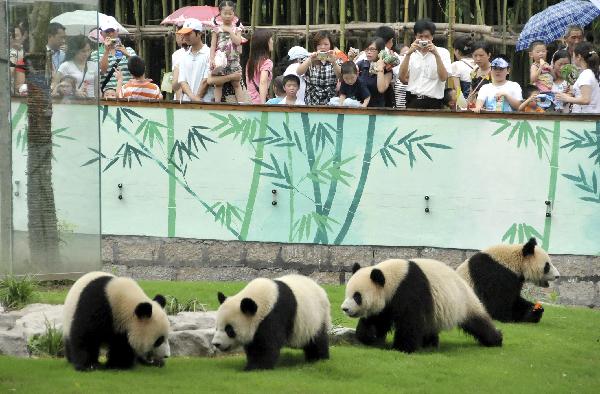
(268,314)
(418,299)
(104,310)
(497,275)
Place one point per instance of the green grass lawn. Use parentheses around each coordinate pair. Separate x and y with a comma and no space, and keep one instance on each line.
(561,354)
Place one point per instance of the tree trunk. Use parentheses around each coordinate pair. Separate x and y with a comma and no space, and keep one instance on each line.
(342,24)
(5,161)
(295,8)
(43,231)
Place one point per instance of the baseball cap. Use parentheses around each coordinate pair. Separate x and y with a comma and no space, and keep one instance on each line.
(109,23)
(500,63)
(190,25)
(297,52)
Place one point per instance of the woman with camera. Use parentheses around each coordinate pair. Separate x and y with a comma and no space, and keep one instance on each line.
(373,73)
(321,71)
(425,69)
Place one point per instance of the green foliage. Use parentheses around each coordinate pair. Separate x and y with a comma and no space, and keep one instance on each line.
(226,212)
(521,232)
(126,153)
(57,134)
(189,147)
(408,143)
(174,306)
(578,141)
(151,132)
(238,127)
(50,343)
(525,135)
(16,292)
(582,183)
(302,227)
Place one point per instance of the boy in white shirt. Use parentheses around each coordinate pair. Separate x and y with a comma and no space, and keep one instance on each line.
(291,84)
(501,95)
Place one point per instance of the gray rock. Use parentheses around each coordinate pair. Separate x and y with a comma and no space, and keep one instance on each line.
(342,336)
(185,321)
(13,343)
(192,343)
(33,322)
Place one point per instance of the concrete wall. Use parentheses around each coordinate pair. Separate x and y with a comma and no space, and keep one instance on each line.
(196,260)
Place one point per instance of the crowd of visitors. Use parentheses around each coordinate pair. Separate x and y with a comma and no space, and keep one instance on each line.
(419,76)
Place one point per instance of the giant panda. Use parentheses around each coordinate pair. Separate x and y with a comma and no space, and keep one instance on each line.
(104,310)
(268,314)
(417,298)
(497,275)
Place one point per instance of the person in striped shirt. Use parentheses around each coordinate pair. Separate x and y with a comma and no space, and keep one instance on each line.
(138,87)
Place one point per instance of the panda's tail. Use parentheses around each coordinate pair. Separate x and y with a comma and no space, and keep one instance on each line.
(482,328)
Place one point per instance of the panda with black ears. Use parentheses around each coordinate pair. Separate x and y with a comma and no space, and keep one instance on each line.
(104,310)
(268,314)
(497,275)
(418,299)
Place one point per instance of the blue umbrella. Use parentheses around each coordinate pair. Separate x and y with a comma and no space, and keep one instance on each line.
(551,24)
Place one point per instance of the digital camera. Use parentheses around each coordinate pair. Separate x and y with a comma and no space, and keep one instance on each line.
(423,43)
(322,55)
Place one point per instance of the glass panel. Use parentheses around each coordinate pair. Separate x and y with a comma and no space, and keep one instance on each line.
(53,132)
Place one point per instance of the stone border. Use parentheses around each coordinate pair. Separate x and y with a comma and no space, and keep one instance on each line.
(185,259)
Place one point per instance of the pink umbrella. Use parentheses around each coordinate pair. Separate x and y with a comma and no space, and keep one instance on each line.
(202,13)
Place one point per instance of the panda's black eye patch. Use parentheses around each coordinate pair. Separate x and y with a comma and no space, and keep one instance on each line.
(357,298)
(547,268)
(159,341)
(230,331)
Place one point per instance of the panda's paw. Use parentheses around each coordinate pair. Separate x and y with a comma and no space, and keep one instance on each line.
(536,314)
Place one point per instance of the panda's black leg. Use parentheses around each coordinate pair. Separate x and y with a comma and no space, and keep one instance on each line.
(261,356)
(373,330)
(432,340)
(408,336)
(318,347)
(84,354)
(482,328)
(120,354)
(366,332)
(524,311)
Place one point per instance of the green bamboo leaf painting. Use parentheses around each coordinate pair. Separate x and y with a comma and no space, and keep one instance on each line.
(425,152)
(504,125)
(405,138)
(389,138)
(437,146)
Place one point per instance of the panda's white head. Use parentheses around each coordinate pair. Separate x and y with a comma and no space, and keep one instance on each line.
(239,316)
(528,260)
(148,331)
(365,294)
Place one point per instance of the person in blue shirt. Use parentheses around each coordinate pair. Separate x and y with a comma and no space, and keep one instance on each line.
(352,87)
(277,90)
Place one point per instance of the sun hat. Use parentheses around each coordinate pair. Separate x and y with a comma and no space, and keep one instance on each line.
(190,25)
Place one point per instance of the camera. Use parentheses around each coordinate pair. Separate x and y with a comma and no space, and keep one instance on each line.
(423,43)
(322,55)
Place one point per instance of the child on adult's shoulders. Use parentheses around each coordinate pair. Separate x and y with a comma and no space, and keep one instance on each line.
(502,95)
(540,71)
(291,84)
(277,90)
(531,104)
(352,88)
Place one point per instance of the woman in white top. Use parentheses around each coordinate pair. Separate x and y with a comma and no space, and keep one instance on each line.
(463,66)
(77,66)
(586,90)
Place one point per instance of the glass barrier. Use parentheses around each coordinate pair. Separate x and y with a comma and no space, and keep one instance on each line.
(49,200)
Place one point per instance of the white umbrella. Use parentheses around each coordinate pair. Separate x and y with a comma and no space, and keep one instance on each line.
(80,22)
